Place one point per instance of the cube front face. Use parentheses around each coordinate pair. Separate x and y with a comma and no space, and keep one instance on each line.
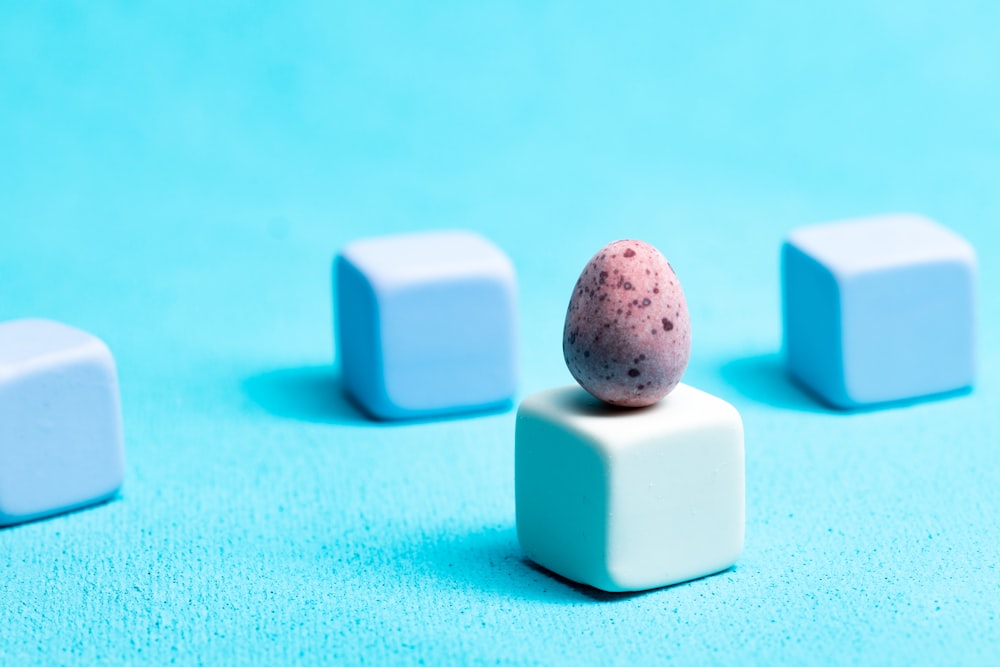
(677,499)
(449,343)
(60,422)
(892,321)
(908,332)
(426,324)
(627,500)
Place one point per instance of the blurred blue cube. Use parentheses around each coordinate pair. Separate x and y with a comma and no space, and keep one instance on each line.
(879,309)
(426,324)
(60,420)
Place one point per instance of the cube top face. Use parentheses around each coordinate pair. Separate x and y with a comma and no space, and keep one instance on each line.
(39,341)
(630,499)
(613,430)
(426,324)
(404,260)
(60,421)
(852,247)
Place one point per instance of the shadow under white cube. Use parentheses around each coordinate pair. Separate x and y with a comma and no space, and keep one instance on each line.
(60,421)
(426,324)
(879,309)
(630,499)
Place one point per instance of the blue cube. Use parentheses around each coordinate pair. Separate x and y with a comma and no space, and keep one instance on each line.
(426,324)
(60,421)
(879,309)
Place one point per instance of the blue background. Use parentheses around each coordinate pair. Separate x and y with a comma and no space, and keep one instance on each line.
(176,179)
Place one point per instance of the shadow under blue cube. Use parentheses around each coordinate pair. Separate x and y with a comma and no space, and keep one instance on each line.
(426,324)
(60,421)
(879,309)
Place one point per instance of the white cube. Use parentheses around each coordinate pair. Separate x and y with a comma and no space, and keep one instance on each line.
(629,499)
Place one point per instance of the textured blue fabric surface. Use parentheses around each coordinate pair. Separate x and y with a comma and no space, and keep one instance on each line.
(177,179)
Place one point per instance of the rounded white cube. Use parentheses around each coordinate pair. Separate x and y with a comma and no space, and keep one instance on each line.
(630,499)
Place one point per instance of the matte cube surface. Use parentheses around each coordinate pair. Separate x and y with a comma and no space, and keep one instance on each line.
(629,499)
(426,324)
(60,420)
(879,309)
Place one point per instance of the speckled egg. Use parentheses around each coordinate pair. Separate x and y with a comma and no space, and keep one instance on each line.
(627,338)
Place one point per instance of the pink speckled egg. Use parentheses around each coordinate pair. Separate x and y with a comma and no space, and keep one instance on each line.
(627,338)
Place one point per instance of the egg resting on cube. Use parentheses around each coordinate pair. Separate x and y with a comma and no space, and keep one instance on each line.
(627,337)
(61,444)
(879,309)
(629,499)
(426,324)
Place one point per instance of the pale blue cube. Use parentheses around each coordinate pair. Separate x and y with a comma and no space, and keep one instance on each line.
(60,420)
(879,309)
(426,324)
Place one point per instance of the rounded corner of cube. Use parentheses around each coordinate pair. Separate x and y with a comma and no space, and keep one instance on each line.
(788,248)
(821,272)
(968,262)
(374,404)
(117,478)
(734,552)
(349,277)
(612,579)
(7,518)
(572,567)
(844,402)
(505,268)
(795,253)
(103,356)
(507,282)
(611,582)
(833,394)
(337,265)
(727,412)
(522,410)
(345,256)
(524,537)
